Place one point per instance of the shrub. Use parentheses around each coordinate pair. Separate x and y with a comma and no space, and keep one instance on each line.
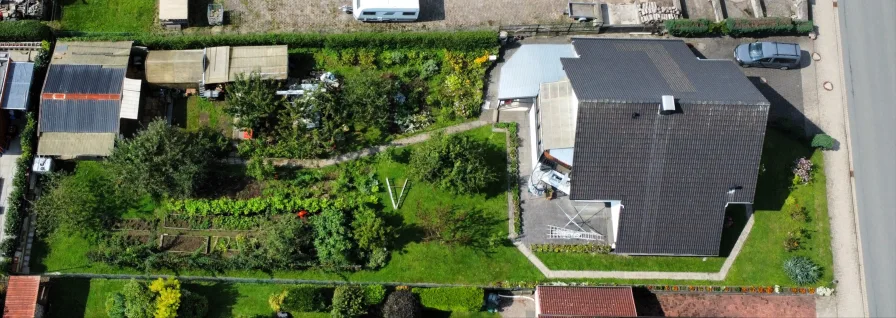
(823,141)
(374,294)
(793,241)
(168,299)
(468,299)
(740,27)
(803,170)
(24,30)
(115,306)
(799,213)
(402,304)
(803,26)
(348,301)
(689,28)
(802,270)
(304,298)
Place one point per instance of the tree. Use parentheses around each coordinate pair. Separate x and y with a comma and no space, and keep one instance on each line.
(369,95)
(402,304)
(454,162)
(348,301)
(334,248)
(252,101)
(167,161)
(370,231)
(168,298)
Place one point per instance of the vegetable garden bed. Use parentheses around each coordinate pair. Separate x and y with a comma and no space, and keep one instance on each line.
(133,225)
(214,223)
(184,243)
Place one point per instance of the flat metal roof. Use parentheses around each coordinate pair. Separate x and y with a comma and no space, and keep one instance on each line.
(531,65)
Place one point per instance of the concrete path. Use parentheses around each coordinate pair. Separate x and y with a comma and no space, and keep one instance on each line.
(317,163)
(831,117)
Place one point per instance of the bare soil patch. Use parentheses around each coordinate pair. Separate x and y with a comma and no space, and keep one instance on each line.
(697,305)
(184,243)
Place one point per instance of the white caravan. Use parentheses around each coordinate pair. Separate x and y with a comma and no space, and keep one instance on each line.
(386,10)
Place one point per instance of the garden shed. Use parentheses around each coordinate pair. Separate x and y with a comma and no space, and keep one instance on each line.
(174,68)
(224,63)
(26,297)
(563,301)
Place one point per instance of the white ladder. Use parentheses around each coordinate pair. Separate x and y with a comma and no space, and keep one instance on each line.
(556,232)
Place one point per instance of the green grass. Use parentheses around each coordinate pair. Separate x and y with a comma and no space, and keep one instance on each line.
(415,261)
(760,261)
(205,113)
(135,16)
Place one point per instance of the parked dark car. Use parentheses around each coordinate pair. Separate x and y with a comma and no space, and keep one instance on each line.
(768,54)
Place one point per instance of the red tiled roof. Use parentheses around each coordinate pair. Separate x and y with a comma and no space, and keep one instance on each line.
(586,301)
(21,297)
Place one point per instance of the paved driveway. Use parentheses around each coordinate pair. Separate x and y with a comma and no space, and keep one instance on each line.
(784,89)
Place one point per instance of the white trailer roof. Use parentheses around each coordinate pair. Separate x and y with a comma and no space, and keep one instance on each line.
(173,10)
(388,4)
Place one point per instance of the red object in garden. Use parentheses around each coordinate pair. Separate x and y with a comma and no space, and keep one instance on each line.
(247,134)
(302,214)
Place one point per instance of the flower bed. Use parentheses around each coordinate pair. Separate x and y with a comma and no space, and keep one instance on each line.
(513,170)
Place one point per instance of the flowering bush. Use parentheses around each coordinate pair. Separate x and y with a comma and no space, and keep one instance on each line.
(802,171)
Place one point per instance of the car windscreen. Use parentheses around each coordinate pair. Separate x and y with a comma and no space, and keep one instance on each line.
(756,51)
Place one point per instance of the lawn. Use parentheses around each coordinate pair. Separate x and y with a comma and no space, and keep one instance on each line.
(761,260)
(134,16)
(413,260)
(205,113)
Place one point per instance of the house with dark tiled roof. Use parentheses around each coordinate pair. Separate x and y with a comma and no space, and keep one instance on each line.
(660,141)
(85,97)
(563,301)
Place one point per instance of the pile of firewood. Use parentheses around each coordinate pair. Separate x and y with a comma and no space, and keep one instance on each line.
(650,13)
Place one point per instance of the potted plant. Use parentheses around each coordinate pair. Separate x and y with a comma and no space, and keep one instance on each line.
(549,193)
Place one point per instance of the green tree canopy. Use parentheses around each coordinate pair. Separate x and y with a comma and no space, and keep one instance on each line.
(252,101)
(454,162)
(166,161)
(85,201)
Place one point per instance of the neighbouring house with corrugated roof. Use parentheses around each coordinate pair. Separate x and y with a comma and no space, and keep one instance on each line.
(215,65)
(174,14)
(563,301)
(85,96)
(26,297)
(648,143)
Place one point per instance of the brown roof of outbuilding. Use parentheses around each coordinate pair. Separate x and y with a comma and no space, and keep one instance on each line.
(21,296)
(557,301)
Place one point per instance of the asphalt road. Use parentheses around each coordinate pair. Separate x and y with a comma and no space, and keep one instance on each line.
(868,33)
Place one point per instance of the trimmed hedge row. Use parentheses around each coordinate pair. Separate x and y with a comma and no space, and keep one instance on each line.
(467,299)
(16,203)
(467,40)
(24,30)
(737,27)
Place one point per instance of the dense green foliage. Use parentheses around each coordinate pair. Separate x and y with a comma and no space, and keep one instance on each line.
(454,162)
(192,305)
(689,27)
(304,298)
(513,172)
(348,301)
(16,205)
(452,298)
(374,294)
(759,27)
(161,298)
(277,204)
(823,141)
(24,30)
(802,270)
(168,161)
(465,40)
(738,27)
(402,304)
(250,101)
(84,201)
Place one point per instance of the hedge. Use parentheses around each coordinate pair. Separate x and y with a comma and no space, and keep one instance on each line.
(689,28)
(759,27)
(24,30)
(467,299)
(737,27)
(467,40)
(16,203)
(307,298)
